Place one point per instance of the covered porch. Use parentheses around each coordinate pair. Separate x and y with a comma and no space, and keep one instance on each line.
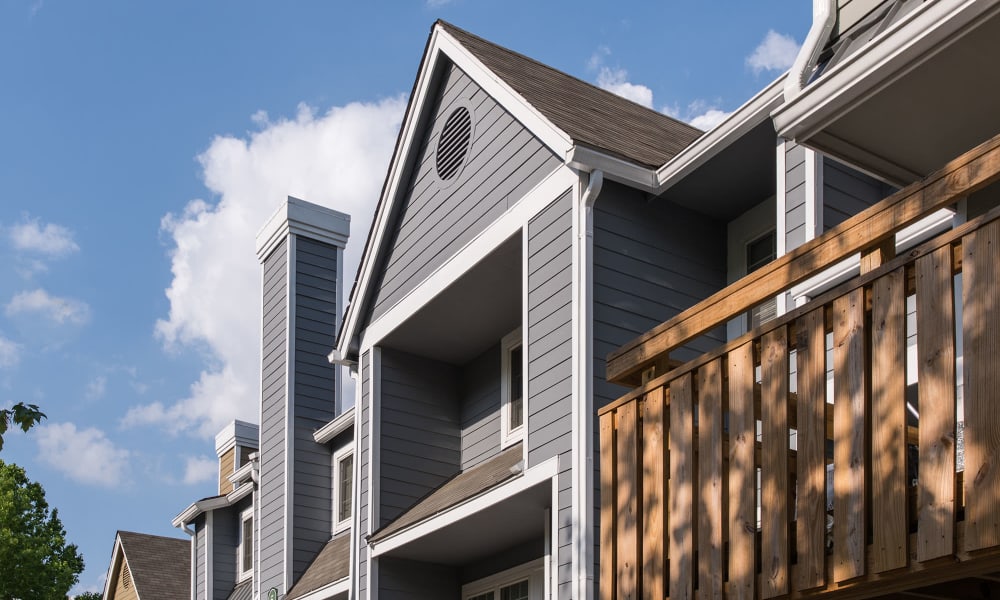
(738,475)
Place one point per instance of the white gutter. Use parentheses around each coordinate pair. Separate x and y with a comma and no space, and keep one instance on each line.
(335,427)
(197,508)
(824,20)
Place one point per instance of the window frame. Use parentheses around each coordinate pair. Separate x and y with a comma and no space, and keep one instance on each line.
(241,573)
(512,435)
(338,457)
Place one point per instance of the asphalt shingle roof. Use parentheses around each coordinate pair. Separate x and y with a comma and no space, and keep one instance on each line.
(160,566)
(330,565)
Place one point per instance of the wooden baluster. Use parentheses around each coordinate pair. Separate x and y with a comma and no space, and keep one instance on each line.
(628,494)
(810,522)
(710,480)
(681,514)
(742,475)
(654,496)
(774,463)
(609,505)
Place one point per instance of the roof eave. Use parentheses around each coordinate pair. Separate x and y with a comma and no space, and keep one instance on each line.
(197,508)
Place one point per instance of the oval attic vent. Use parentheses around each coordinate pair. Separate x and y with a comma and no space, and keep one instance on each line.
(453,143)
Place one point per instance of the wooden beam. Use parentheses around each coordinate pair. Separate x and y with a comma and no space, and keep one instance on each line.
(966,174)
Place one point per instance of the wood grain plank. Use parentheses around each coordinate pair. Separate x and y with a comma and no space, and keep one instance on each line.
(710,584)
(654,496)
(849,436)
(627,546)
(810,524)
(774,463)
(981,347)
(936,388)
(609,505)
(681,516)
(742,475)
(888,418)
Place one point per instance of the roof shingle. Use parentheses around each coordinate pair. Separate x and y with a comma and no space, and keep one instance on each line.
(160,566)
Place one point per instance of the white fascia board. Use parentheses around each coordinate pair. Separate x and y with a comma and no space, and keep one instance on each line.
(306,219)
(328,591)
(587,159)
(560,180)
(198,508)
(918,36)
(547,470)
(732,128)
(236,432)
(116,556)
(335,427)
(241,474)
(239,493)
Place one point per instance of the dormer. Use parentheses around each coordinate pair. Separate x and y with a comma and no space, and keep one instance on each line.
(234,445)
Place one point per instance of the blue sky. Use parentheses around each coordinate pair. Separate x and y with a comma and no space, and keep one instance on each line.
(142,145)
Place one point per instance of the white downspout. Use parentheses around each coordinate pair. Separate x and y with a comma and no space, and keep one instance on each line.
(584,427)
(824,20)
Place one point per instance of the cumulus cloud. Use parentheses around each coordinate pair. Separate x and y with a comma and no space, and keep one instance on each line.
(49,239)
(97,387)
(10,353)
(198,469)
(698,113)
(337,159)
(776,52)
(58,310)
(84,455)
(615,80)
(708,119)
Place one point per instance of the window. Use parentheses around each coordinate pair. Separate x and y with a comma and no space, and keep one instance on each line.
(343,478)
(245,550)
(525,582)
(760,252)
(512,388)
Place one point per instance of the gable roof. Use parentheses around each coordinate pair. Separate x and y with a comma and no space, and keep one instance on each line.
(331,565)
(160,566)
(590,116)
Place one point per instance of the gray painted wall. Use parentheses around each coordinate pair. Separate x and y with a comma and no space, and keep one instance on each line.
(439,217)
(550,356)
(200,563)
(420,437)
(225,539)
(401,579)
(795,195)
(847,192)
(480,408)
(316,324)
(363,487)
(272,430)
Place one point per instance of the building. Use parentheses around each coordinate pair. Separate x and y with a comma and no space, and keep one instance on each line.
(148,567)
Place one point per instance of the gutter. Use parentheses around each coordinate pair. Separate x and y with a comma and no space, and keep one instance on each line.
(824,20)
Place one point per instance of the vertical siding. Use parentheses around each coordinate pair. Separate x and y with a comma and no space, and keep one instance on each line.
(437,218)
(550,358)
(412,580)
(651,261)
(272,427)
(363,487)
(201,559)
(795,195)
(225,538)
(480,408)
(315,381)
(419,433)
(847,192)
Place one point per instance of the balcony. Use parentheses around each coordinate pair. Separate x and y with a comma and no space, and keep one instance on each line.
(738,475)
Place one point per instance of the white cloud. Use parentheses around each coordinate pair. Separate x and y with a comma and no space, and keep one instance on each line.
(97,387)
(84,455)
(337,159)
(699,113)
(776,52)
(10,353)
(615,80)
(50,239)
(198,469)
(56,309)
(708,119)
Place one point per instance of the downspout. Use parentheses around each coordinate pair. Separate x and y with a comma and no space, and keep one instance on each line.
(584,427)
(194,558)
(824,20)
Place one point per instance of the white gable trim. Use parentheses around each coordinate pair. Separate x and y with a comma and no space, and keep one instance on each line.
(441,44)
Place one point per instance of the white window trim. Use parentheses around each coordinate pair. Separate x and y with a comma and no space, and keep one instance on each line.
(341,525)
(533,571)
(242,575)
(508,436)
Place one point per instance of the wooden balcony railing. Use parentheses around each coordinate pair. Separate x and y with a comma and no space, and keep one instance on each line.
(702,491)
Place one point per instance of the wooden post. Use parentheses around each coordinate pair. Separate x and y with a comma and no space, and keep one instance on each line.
(810,417)
(609,505)
(774,463)
(628,493)
(742,475)
(681,490)
(710,481)
(654,496)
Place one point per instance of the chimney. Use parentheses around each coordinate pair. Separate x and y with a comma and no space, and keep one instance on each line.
(233,446)
(301,250)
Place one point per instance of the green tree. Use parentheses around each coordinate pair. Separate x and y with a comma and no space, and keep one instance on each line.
(36,560)
(21,415)
(89,596)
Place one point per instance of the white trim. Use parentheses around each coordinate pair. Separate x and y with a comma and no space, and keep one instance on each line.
(355,374)
(243,473)
(197,508)
(338,311)
(525,271)
(326,433)
(533,571)
(115,554)
(299,217)
(586,159)
(255,585)
(469,255)
(375,441)
(338,524)
(814,194)
(241,574)
(194,569)
(329,590)
(547,543)
(239,493)
(547,470)
(290,268)
(510,342)
(371,499)
(780,199)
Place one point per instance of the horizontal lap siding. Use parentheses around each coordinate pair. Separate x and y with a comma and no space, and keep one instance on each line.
(363,488)
(315,332)
(419,433)
(795,195)
(201,560)
(651,261)
(272,431)
(438,218)
(480,409)
(225,539)
(550,359)
(847,192)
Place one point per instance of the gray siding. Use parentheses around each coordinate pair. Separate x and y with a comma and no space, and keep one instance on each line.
(480,408)
(400,579)
(225,539)
(795,195)
(363,487)
(847,192)
(437,218)
(201,559)
(419,433)
(550,356)
(315,334)
(272,430)
(651,261)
